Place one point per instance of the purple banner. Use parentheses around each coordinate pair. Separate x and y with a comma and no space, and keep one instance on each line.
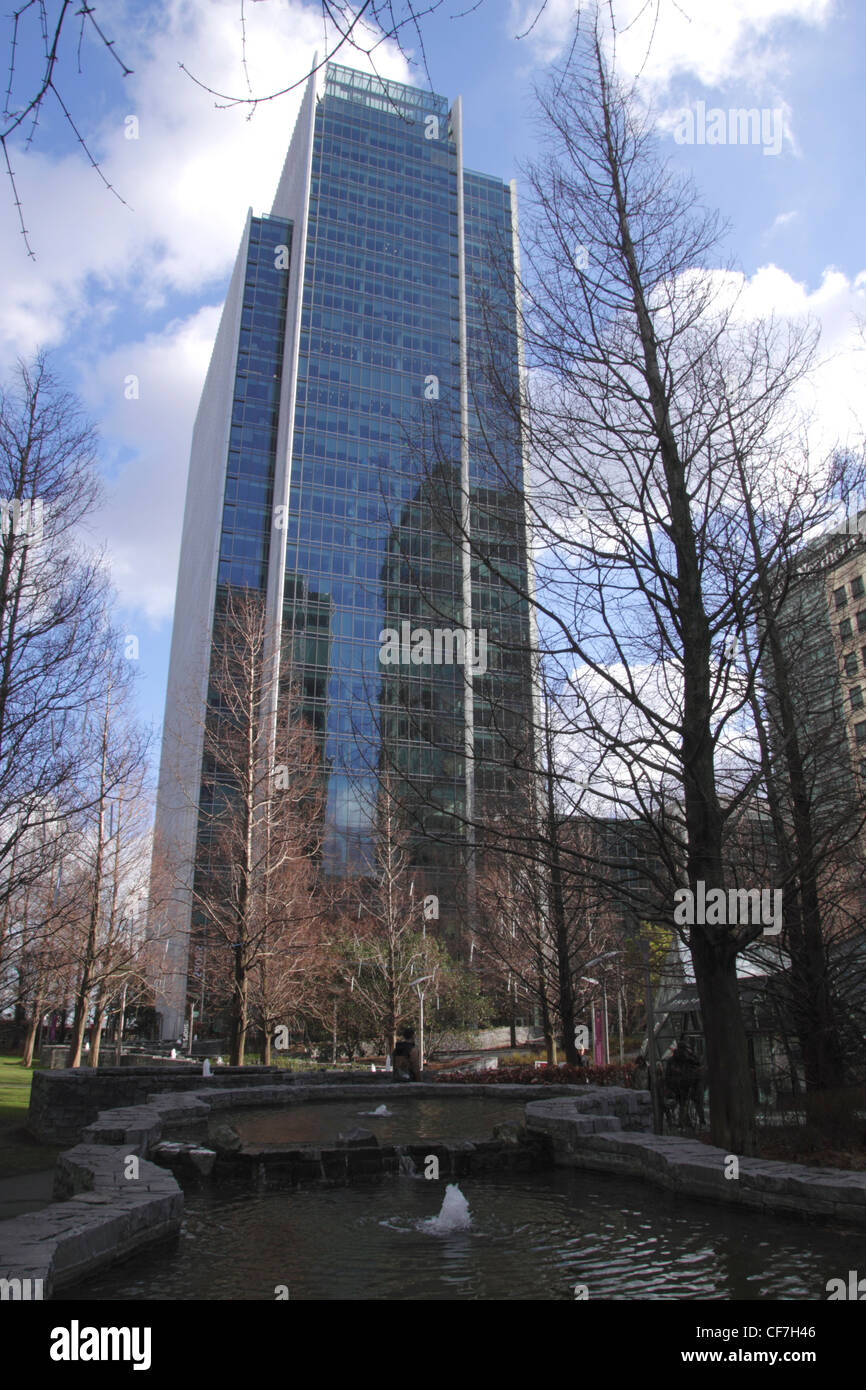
(600,1049)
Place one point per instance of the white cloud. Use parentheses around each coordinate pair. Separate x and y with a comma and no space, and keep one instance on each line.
(188,178)
(784,219)
(148,442)
(665,41)
(833,394)
(108,276)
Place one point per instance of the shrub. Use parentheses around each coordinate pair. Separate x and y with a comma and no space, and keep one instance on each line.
(563,1074)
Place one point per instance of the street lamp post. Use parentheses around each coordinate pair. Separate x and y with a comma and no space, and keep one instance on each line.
(422,980)
(608,955)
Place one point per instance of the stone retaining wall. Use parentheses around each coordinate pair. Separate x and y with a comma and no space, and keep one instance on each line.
(63,1102)
(337,1164)
(588,1133)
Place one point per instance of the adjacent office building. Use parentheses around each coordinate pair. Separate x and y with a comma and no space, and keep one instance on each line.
(351,464)
(823,631)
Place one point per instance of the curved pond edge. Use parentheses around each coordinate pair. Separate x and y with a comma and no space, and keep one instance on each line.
(586,1133)
(117,1201)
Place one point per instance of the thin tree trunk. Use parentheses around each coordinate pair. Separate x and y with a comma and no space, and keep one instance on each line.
(732,1118)
(82,1002)
(32,1029)
(96,1035)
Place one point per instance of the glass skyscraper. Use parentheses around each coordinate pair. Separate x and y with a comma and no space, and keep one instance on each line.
(349,463)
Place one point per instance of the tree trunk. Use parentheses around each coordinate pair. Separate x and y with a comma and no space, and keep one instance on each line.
(121,1019)
(32,1029)
(79,1027)
(96,1036)
(732,1111)
(239,1011)
(82,1002)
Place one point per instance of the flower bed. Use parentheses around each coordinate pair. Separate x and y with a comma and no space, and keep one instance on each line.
(563,1074)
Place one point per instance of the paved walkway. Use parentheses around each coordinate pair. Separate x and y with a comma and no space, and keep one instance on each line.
(27,1192)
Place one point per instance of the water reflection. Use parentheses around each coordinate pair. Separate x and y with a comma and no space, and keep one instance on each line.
(531,1238)
(408,1121)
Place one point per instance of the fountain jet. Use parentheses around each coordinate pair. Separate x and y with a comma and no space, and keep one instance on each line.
(453,1216)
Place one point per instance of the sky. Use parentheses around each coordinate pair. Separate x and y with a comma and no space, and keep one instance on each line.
(132,289)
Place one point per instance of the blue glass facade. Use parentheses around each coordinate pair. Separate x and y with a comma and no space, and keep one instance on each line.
(247,514)
(380,319)
(499,559)
(248,502)
(386,456)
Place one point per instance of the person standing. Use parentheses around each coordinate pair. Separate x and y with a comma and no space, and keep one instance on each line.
(407,1059)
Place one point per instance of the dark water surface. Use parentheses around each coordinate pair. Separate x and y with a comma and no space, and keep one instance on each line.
(531,1238)
(456,1117)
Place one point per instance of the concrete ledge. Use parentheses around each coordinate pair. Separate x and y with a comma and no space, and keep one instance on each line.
(692,1169)
(107,1216)
(143,1125)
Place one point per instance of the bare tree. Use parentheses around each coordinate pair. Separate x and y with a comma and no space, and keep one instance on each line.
(117,786)
(814,798)
(385,951)
(292,902)
(512,930)
(54,632)
(258,812)
(38,950)
(642,402)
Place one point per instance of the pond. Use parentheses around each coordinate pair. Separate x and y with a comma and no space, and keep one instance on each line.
(531,1237)
(406,1120)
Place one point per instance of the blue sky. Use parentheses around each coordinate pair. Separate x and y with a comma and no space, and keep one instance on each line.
(118,291)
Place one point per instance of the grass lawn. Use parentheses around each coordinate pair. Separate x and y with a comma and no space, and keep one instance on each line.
(18,1152)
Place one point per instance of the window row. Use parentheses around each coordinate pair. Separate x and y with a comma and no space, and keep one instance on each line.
(846,630)
(857,591)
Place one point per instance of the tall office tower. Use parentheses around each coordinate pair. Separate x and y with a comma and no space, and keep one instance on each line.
(350,464)
(822,624)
